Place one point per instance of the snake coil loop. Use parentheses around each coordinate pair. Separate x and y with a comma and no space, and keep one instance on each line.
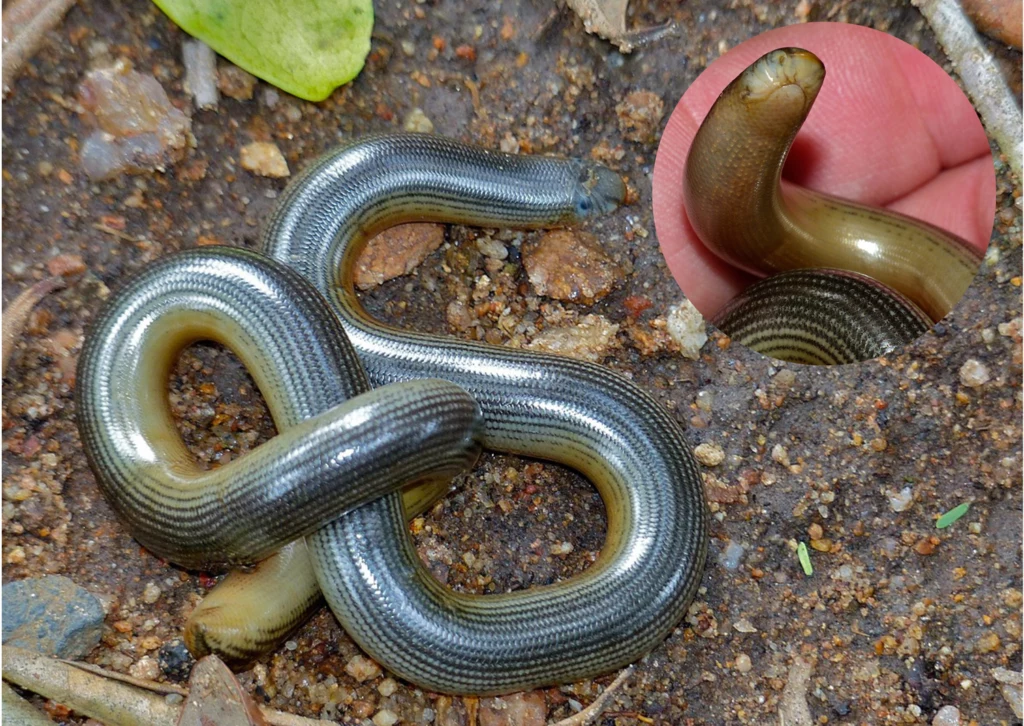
(564,410)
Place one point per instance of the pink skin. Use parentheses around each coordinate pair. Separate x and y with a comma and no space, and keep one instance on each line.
(889,128)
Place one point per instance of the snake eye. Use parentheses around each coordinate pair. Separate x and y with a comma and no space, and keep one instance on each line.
(583,206)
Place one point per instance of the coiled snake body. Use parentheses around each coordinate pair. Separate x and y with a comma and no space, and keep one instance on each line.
(574,413)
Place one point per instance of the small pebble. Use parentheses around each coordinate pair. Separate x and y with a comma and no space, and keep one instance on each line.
(744,626)
(561,548)
(902,500)
(780,455)
(709,454)
(589,339)
(384,717)
(174,659)
(743,664)
(151,593)
(264,159)
(947,716)
(974,373)
(387,687)
(686,326)
(362,668)
(65,265)
(492,248)
(731,557)
(705,400)
(417,122)
(235,82)
(361,709)
(988,643)
(145,668)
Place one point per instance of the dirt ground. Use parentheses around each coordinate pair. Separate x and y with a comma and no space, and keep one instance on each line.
(898,618)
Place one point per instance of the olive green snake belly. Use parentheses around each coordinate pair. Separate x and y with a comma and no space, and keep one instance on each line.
(907,273)
(284,321)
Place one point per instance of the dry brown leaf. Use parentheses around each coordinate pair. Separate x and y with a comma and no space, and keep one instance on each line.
(607,19)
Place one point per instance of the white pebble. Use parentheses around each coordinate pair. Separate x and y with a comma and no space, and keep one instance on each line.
(362,668)
(974,373)
(902,500)
(151,593)
(561,548)
(686,327)
(743,664)
(417,121)
(387,687)
(780,455)
(385,717)
(947,716)
(732,556)
(492,248)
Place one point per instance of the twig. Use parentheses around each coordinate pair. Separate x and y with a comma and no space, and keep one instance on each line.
(595,709)
(116,232)
(17,710)
(15,315)
(25,23)
(981,76)
(110,697)
(87,693)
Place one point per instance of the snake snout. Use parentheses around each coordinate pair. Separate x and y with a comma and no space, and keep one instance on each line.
(600,191)
(782,68)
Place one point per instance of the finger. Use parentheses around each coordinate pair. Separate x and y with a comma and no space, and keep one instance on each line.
(960,200)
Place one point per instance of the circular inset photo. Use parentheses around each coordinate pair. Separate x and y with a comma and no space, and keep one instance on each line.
(824,193)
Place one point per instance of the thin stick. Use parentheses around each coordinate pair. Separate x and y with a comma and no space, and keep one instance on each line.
(981,76)
(594,710)
(24,24)
(15,315)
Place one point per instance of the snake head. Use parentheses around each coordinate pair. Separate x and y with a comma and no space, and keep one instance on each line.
(786,79)
(599,191)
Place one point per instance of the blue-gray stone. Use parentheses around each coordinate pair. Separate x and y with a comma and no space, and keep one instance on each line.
(51,615)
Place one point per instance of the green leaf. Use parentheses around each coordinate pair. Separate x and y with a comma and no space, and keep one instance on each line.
(952,515)
(304,47)
(805,558)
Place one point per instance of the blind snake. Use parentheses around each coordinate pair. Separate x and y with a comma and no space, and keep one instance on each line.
(578,414)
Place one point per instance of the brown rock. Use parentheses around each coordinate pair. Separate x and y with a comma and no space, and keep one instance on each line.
(361,709)
(265,159)
(570,265)
(639,115)
(235,83)
(137,127)
(516,709)
(65,265)
(396,251)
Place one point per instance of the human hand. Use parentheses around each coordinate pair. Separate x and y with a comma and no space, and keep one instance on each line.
(889,128)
